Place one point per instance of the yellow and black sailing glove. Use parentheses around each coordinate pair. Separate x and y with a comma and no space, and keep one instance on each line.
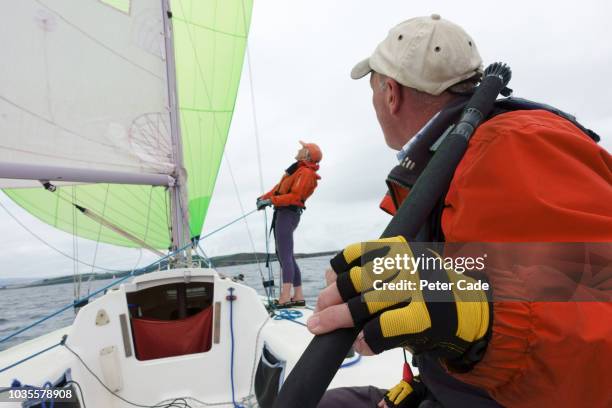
(408,393)
(398,311)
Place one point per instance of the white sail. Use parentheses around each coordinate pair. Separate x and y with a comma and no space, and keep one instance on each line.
(78,94)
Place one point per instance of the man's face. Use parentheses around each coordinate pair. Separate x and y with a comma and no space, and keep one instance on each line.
(302,154)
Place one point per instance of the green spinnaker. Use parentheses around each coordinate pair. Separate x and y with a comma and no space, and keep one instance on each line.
(209,39)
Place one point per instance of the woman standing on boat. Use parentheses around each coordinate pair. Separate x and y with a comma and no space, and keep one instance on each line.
(288,198)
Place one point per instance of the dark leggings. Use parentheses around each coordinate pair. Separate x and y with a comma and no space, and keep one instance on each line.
(285,223)
(364,397)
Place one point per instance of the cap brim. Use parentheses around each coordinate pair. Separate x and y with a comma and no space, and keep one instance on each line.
(361,69)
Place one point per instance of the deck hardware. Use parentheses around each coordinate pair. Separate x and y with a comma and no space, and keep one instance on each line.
(102,318)
(125,334)
(217,323)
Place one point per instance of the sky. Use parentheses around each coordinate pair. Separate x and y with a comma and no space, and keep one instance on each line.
(301,53)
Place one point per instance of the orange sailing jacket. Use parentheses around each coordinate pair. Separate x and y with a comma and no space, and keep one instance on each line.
(532,176)
(297,184)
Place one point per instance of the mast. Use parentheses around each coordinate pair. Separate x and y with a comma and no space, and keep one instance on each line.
(178,192)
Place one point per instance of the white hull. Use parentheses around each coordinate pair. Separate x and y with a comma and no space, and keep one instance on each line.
(108,351)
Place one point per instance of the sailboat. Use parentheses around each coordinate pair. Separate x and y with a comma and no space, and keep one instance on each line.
(113,120)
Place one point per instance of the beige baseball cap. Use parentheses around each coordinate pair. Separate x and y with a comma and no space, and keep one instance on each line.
(429,54)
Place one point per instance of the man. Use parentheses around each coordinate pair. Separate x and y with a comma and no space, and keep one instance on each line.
(288,198)
(529,175)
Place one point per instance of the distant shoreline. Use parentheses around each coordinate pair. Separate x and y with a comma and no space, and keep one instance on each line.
(217,262)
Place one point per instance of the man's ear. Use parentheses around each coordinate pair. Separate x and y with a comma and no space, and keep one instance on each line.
(393,96)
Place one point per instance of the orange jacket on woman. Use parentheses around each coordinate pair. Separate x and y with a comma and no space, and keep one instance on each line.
(531,176)
(296,185)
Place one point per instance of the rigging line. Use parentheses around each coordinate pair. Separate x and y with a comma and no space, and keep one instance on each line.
(98,42)
(100,229)
(168,216)
(246,223)
(257,143)
(203,255)
(184,213)
(255,124)
(204,27)
(184,219)
(253,109)
(227,225)
(75,248)
(146,230)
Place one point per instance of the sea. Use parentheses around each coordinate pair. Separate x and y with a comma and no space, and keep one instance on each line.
(23,306)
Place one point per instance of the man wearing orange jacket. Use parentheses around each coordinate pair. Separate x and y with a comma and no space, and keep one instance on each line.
(530,174)
(288,198)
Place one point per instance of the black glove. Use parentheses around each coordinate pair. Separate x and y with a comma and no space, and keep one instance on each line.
(261,204)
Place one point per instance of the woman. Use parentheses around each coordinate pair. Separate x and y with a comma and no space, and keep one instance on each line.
(288,198)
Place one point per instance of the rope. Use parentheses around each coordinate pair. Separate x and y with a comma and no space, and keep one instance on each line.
(173,402)
(231,299)
(291,315)
(167,403)
(75,248)
(255,359)
(204,256)
(258,150)
(352,363)
(95,256)
(246,223)
(227,225)
(146,233)
(30,357)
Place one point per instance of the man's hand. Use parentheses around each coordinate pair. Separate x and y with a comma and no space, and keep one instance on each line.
(416,319)
(261,204)
(330,276)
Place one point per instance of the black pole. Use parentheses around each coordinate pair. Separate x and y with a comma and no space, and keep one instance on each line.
(319,363)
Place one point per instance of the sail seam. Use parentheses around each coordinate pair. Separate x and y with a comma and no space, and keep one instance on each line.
(98,42)
(205,110)
(205,27)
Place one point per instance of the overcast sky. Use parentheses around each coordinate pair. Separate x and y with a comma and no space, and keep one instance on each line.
(301,55)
